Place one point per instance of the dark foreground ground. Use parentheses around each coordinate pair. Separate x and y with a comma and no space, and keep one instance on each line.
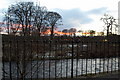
(106,76)
(103,76)
(111,76)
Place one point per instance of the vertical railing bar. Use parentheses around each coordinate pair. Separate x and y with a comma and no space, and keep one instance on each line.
(44,59)
(72,58)
(113,56)
(98,59)
(92,45)
(77,59)
(95,58)
(104,55)
(82,59)
(3,58)
(116,55)
(15,52)
(31,56)
(100,46)
(108,56)
(37,56)
(67,59)
(10,60)
(61,58)
(25,44)
(49,57)
(23,64)
(56,57)
(17,59)
(86,56)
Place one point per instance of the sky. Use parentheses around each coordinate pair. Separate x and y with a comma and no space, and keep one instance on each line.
(79,14)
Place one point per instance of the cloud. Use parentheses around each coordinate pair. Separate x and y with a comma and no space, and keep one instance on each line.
(75,17)
(98,11)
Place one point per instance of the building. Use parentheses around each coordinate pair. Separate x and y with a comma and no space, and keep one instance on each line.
(119,18)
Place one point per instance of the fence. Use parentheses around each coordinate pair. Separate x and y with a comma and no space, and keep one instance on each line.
(59,57)
(0,57)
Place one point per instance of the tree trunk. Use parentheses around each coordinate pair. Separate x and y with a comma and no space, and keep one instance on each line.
(52,31)
(108,30)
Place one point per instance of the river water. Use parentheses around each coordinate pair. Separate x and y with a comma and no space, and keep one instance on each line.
(62,68)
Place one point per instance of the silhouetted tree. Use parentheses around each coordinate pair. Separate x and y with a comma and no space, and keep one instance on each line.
(65,30)
(92,32)
(53,18)
(26,15)
(39,18)
(72,31)
(21,14)
(101,34)
(80,31)
(109,22)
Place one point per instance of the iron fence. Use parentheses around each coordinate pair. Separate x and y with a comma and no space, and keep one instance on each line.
(60,57)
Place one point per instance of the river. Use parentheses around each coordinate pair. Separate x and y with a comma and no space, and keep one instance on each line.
(62,68)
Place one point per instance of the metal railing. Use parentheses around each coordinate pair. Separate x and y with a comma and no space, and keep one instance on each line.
(59,57)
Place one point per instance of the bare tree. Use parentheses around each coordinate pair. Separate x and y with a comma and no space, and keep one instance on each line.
(109,21)
(21,14)
(30,17)
(53,18)
(39,18)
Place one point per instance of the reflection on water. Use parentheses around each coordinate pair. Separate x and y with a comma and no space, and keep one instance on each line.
(62,68)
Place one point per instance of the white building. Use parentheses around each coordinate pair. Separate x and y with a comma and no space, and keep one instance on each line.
(119,18)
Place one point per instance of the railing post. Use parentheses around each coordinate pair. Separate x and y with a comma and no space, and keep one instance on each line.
(0,57)
(119,54)
(72,58)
